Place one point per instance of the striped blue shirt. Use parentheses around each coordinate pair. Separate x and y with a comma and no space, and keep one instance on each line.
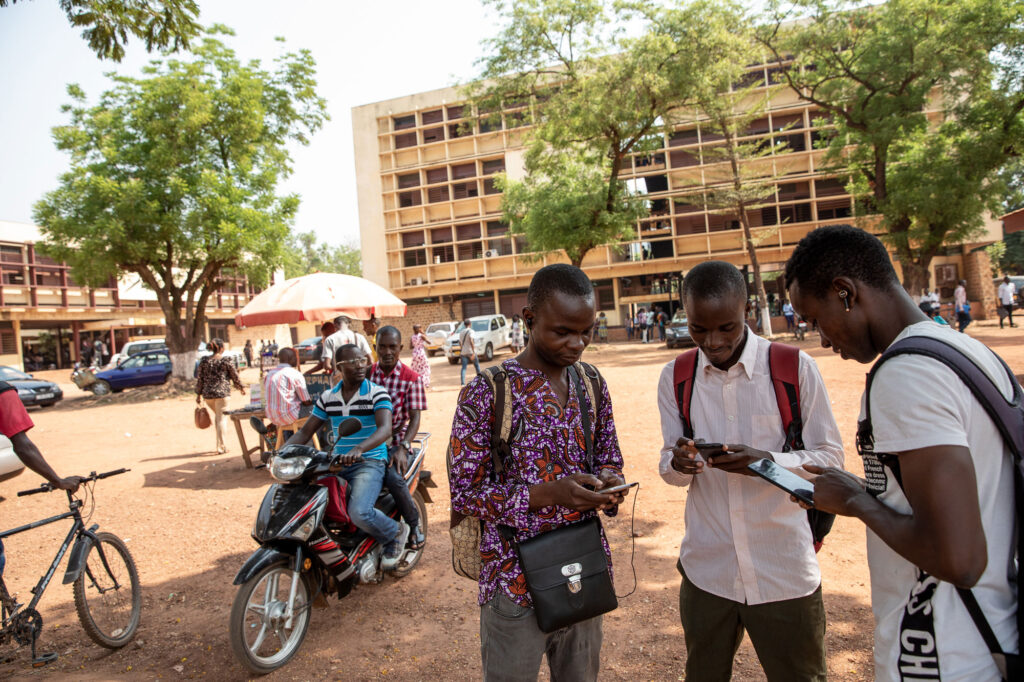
(364,404)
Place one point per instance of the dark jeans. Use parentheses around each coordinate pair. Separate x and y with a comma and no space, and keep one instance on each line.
(464,359)
(395,484)
(512,645)
(963,319)
(1009,313)
(788,635)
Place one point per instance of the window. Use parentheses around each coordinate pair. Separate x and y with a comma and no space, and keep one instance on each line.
(455,112)
(436,194)
(492,166)
(834,208)
(436,175)
(440,235)
(464,190)
(411,239)
(8,345)
(433,135)
(471,251)
(407,199)
(682,159)
(462,171)
(491,187)
(157,359)
(408,180)
(469,231)
(434,116)
(829,187)
(405,140)
(11,254)
(791,191)
(413,258)
(133,361)
(683,137)
(604,295)
(403,122)
(797,213)
(443,254)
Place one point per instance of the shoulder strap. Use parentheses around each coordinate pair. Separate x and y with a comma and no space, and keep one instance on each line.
(784,368)
(576,383)
(501,415)
(684,372)
(4,387)
(593,386)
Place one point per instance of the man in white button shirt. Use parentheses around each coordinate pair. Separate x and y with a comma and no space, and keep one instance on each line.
(747,557)
(343,336)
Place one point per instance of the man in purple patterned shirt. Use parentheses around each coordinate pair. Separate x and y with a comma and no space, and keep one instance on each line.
(542,487)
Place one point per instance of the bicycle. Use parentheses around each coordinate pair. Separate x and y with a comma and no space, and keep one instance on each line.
(106,587)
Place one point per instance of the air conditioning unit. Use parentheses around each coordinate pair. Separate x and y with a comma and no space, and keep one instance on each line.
(491,253)
(415,281)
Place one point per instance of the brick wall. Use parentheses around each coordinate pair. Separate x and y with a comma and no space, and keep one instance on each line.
(981,293)
(424,314)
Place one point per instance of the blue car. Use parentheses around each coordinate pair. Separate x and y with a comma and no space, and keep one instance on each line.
(141,369)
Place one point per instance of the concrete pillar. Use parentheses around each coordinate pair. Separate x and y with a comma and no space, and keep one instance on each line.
(16,328)
(76,341)
(112,344)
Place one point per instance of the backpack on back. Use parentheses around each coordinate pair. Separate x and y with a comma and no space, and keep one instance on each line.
(784,369)
(1008,417)
(466,531)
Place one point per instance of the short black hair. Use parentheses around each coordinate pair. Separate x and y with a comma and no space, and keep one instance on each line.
(715,279)
(386,330)
(836,251)
(287,355)
(344,347)
(561,277)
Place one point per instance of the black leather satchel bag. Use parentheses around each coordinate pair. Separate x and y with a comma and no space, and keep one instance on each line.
(567,575)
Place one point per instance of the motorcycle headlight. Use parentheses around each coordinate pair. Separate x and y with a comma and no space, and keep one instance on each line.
(288,468)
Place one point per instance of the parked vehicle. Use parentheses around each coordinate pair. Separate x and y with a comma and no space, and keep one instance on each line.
(310,349)
(132,347)
(436,335)
(10,464)
(141,369)
(306,552)
(31,391)
(491,333)
(677,333)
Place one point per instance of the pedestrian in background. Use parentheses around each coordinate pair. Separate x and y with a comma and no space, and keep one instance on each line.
(215,376)
(518,342)
(1007,290)
(247,352)
(420,364)
(961,306)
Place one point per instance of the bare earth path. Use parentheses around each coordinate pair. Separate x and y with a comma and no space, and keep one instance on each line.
(187,512)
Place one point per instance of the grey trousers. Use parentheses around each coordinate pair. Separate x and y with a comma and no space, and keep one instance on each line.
(512,645)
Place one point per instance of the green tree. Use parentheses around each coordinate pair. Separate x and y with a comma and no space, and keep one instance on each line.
(173,177)
(161,24)
(593,97)
(920,93)
(305,255)
(1011,261)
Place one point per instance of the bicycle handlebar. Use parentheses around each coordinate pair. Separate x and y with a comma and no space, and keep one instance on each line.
(46,487)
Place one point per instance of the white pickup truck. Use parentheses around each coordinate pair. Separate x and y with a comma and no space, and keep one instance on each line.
(490,334)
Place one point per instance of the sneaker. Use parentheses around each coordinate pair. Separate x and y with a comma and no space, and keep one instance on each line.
(393,550)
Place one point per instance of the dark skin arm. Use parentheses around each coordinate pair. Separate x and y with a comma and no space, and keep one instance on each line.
(382,418)
(945,507)
(732,458)
(401,461)
(569,492)
(29,454)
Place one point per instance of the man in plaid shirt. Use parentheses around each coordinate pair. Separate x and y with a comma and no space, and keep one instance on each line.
(409,399)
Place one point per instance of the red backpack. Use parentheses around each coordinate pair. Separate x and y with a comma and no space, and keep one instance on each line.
(784,369)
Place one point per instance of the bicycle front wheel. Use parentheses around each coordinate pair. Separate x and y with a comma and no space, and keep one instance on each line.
(108,597)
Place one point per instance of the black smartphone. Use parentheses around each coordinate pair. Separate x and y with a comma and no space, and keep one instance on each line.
(800,488)
(705,448)
(617,488)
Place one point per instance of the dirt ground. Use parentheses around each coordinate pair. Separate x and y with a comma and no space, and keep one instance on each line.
(186,514)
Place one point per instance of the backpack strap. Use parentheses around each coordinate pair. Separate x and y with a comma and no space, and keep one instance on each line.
(4,387)
(592,389)
(501,416)
(784,368)
(1008,417)
(684,373)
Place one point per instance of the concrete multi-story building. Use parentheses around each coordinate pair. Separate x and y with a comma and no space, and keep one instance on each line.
(432,231)
(45,315)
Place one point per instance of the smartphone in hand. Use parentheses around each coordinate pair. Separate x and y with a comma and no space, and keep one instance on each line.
(780,477)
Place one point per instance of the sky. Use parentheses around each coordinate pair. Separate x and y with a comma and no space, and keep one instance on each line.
(364,51)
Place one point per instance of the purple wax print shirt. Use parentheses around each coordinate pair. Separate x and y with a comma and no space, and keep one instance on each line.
(546,443)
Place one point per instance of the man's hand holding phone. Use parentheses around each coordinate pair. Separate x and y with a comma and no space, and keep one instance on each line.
(735,458)
(684,457)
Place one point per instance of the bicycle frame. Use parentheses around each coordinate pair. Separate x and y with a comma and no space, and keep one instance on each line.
(75,564)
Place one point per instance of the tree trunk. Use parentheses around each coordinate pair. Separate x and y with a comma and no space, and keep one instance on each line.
(915,272)
(762,298)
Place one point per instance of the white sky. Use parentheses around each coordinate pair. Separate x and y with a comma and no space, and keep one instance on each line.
(365,52)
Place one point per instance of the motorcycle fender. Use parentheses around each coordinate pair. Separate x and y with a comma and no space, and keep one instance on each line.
(260,559)
(76,560)
(425,481)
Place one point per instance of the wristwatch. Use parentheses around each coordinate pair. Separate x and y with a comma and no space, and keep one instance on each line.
(406,444)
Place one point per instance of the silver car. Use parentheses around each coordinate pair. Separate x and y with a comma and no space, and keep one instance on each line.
(436,334)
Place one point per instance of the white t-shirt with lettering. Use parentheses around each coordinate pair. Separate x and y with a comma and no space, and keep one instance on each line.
(918,402)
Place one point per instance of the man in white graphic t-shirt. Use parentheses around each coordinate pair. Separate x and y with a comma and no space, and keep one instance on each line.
(951,522)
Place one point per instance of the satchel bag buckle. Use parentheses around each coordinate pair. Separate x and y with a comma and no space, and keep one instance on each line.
(575,583)
(572,569)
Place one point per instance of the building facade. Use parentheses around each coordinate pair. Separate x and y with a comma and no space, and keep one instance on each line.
(46,317)
(432,231)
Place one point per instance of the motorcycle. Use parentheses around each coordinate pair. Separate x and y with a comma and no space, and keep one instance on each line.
(307,553)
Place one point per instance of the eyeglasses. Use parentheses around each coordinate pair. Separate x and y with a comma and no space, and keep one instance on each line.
(358,362)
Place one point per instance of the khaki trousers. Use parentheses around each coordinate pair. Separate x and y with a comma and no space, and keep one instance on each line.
(218,406)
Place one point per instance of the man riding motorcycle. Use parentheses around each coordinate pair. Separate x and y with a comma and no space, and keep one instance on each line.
(364,456)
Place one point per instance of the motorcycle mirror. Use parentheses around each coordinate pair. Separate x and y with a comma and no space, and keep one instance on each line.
(349,427)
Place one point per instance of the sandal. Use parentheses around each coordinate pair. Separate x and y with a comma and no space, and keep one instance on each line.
(416,538)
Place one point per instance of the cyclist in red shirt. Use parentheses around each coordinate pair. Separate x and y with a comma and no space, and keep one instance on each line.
(15,423)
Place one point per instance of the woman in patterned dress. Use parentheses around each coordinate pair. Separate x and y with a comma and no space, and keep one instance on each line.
(420,365)
(214,378)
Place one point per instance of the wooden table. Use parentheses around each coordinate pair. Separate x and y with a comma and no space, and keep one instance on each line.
(244,414)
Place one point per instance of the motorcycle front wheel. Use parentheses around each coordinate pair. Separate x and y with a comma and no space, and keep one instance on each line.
(262,638)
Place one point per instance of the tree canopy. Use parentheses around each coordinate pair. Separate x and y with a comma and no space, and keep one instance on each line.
(305,255)
(925,97)
(106,24)
(174,174)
